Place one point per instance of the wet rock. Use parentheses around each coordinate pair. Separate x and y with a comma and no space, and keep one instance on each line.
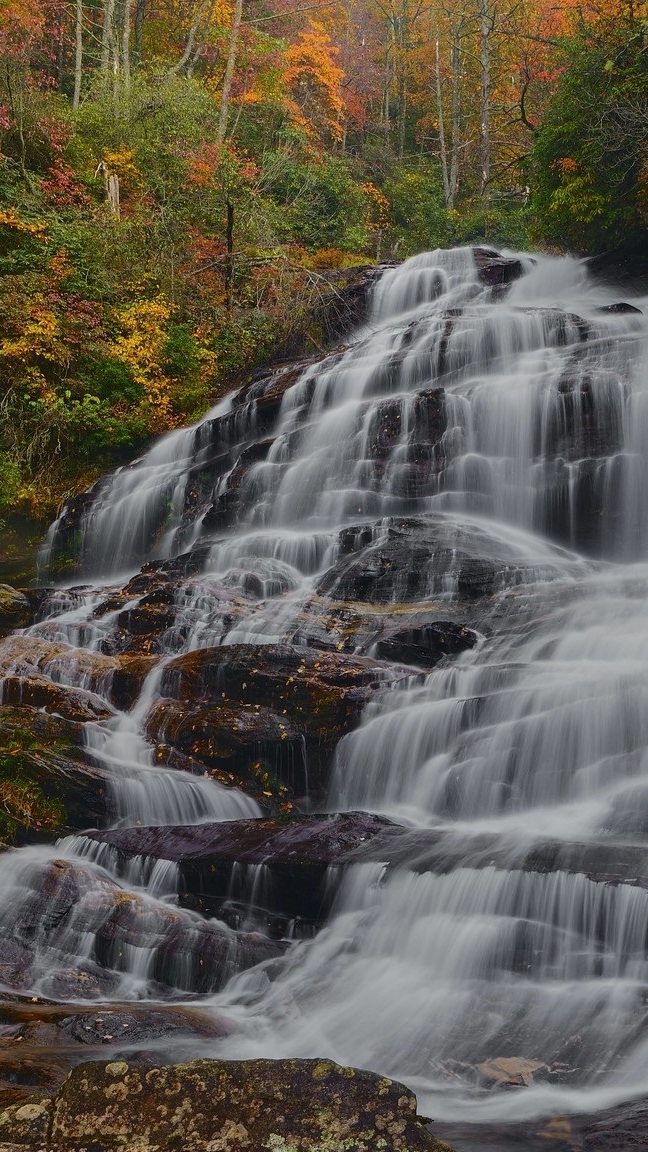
(285,1105)
(260,751)
(281,866)
(494,269)
(620,309)
(15,609)
(510,1071)
(414,560)
(622,1129)
(81,930)
(427,645)
(321,694)
(70,703)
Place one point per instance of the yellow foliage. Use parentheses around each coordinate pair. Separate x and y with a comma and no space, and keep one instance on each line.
(10,218)
(121,163)
(140,346)
(40,338)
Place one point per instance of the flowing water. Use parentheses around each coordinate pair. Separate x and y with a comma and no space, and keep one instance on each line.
(540,733)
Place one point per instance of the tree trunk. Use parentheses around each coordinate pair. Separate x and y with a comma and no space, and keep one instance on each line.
(128,6)
(485,30)
(229,261)
(229,72)
(442,139)
(140,8)
(78,56)
(455,121)
(107,37)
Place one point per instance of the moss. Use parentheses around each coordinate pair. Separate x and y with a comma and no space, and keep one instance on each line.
(24,804)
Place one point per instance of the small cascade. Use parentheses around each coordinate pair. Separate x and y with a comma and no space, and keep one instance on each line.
(404,584)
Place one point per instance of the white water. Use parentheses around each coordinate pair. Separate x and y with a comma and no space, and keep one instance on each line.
(540,732)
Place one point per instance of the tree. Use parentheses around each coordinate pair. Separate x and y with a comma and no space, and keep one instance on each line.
(591,156)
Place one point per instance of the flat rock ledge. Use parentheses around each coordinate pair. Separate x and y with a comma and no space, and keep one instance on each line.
(220,1106)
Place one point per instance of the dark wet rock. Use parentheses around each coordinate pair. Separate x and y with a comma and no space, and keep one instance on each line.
(281,866)
(300,1105)
(413,560)
(15,609)
(189,955)
(622,1129)
(321,694)
(247,744)
(78,924)
(494,269)
(71,703)
(15,963)
(620,309)
(427,645)
(129,1026)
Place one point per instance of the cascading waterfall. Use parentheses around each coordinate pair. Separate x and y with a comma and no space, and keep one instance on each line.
(505,428)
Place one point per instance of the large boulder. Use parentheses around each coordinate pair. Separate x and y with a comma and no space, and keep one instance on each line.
(310,699)
(15,609)
(221,1106)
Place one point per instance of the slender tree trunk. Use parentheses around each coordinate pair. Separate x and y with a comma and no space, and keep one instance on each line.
(229,261)
(78,56)
(485,30)
(107,37)
(126,29)
(402,108)
(140,9)
(455,121)
(229,72)
(442,139)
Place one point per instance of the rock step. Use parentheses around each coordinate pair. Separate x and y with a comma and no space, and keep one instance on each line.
(290,869)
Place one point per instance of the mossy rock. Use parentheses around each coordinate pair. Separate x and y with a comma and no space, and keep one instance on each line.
(46,788)
(212,1105)
(15,609)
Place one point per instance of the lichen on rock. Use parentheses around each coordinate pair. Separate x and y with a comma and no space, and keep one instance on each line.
(220,1106)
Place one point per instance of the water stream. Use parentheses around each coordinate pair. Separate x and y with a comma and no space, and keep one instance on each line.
(540,732)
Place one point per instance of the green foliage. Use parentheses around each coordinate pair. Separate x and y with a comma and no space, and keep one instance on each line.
(591,154)
(418,216)
(504,224)
(316,204)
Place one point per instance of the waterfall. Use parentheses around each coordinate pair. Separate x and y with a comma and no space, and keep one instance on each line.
(479,453)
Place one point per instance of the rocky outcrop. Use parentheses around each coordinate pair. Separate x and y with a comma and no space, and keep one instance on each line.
(426,645)
(73,923)
(279,704)
(494,269)
(275,872)
(212,1105)
(15,609)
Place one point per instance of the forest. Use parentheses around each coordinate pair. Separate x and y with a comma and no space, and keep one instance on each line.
(182,181)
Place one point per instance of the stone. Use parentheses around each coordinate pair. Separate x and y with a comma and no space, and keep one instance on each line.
(427,645)
(494,269)
(320,695)
(15,609)
(220,1106)
(285,866)
(249,745)
(510,1071)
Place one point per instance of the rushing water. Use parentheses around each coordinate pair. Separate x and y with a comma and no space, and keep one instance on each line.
(540,732)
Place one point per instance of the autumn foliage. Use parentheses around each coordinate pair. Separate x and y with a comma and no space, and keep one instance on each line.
(256,147)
